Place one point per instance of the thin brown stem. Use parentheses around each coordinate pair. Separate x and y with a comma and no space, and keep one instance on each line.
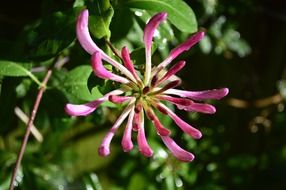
(113,49)
(29,126)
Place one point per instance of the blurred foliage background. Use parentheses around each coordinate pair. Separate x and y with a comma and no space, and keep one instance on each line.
(243,146)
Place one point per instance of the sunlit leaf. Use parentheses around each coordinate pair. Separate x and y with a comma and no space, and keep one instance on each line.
(100,18)
(179,13)
(13,69)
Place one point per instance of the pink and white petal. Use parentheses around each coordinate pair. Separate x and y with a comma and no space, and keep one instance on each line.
(88,44)
(104,148)
(199,107)
(172,71)
(185,46)
(161,130)
(128,63)
(200,95)
(83,34)
(82,109)
(118,99)
(176,150)
(175,100)
(126,142)
(148,36)
(143,145)
(195,133)
(100,71)
(85,109)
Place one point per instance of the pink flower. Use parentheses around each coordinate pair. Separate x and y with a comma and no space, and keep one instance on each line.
(144,92)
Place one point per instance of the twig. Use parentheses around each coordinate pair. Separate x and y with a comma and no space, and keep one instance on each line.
(113,49)
(35,132)
(29,126)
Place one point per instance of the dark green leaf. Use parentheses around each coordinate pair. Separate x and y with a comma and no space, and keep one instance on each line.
(54,34)
(179,13)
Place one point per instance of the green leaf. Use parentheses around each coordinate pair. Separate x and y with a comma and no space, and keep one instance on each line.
(75,84)
(55,33)
(13,69)
(179,13)
(100,19)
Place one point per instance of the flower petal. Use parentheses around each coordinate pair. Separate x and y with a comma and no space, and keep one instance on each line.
(128,63)
(83,35)
(126,142)
(143,145)
(161,130)
(85,109)
(185,46)
(195,133)
(100,71)
(104,149)
(176,150)
(199,107)
(148,36)
(169,85)
(118,99)
(87,43)
(172,71)
(178,101)
(200,95)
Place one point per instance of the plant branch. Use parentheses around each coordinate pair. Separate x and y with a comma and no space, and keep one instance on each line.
(29,126)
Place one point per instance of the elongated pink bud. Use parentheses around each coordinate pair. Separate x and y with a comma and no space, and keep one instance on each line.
(161,130)
(147,38)
(87,43)
(169,85)
(175,100)
(85,109)
(143,145)
(128,63)
(185,46)
(101,72)
(118,99)
(182,124)
(176,150)
(83,35)
(200,95)
(104,148)
(172,71)
(126,142)
(199,107)
(136,122)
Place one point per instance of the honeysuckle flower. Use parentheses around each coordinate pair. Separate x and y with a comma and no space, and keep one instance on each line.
(143,93)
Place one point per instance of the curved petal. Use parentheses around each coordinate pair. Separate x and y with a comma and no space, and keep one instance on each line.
(176,150)
(185,46)
(83,35)
(143,145)
(199,107)
(200,95)
(87,43)
(148,36)
(195,133)
(100,71)
(172,71)
(85,109)
(104,149)
(128,63)
(118,99)
(161,130)
(126,142)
